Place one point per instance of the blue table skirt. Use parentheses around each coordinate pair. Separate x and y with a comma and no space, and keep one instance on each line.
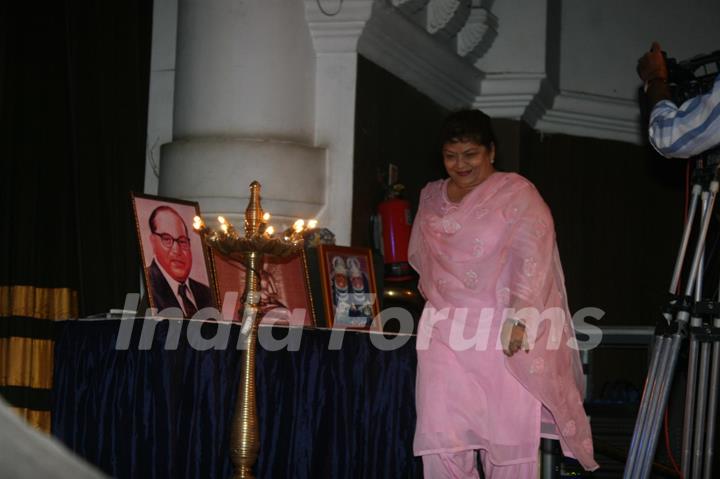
(158,413)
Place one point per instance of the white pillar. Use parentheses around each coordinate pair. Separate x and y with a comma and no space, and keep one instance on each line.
(244,109)
(263,90)
(244,66)
(335,39)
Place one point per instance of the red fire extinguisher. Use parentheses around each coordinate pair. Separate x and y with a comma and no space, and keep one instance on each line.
(395,225)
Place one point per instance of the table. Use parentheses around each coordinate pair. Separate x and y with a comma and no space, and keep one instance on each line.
(153,412)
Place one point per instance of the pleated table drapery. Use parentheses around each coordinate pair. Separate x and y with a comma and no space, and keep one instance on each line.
(157,413)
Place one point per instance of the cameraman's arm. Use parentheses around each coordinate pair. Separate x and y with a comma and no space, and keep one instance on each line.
(653,71)
(689,130)
(657,90)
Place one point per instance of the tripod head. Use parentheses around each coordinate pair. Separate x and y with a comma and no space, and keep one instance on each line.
(692,77)
(706,167)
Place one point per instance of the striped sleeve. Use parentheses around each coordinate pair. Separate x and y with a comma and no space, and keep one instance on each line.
(689,130)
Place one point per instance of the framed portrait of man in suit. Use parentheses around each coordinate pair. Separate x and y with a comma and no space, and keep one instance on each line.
(178,279)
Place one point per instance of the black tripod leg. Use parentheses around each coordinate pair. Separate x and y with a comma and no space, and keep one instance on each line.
(689,437)
(700,417)
(712,407)
(690,386)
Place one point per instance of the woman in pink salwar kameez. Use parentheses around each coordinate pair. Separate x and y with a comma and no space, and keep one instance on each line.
(497,359)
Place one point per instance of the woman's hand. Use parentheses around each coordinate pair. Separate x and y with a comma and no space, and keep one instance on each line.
(514,337)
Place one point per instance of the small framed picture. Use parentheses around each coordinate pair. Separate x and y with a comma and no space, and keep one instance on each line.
(348,286)
(176,267)
(284,289)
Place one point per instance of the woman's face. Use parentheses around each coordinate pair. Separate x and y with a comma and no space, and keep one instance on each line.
(467,163)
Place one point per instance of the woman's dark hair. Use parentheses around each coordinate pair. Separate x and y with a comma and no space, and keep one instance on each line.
(467,125)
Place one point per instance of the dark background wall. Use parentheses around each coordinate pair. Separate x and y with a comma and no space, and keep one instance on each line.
(394,123)
(618,212)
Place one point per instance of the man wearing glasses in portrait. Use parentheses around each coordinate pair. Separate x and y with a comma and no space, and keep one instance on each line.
(172,262)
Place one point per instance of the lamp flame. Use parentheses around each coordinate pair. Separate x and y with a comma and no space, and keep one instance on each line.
(299,225)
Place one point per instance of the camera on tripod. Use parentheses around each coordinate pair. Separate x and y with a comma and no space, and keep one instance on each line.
(690,78)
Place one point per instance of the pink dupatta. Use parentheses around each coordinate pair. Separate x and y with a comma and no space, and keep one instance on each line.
(495,249)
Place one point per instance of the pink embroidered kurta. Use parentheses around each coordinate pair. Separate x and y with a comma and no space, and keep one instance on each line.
(493,255)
